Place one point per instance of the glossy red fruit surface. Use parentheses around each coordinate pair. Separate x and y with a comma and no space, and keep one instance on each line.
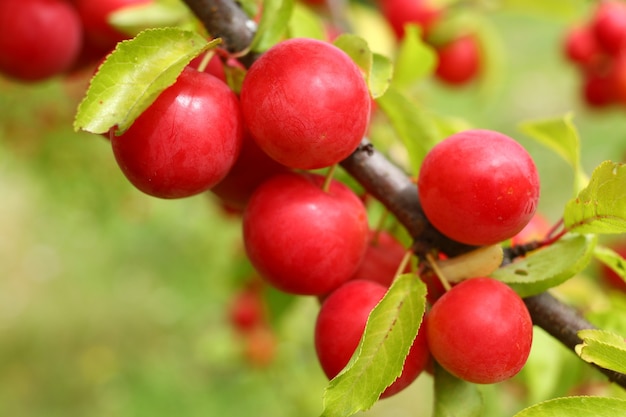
(617,78)
(537,229)
(301,239)
(581,47)
(186,141)
(382,258)
(252,168)
(247,309)
(459,60)
(478,187)
(598,90)
(480,331)
(609,26)
(340,325)
(399,13)
(435,288)
(306,103)
(38,38)
(215,66)
(95,15)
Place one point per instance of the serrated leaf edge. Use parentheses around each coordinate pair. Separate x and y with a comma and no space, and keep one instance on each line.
(126,122)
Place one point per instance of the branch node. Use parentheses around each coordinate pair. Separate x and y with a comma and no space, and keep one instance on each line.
(368,148)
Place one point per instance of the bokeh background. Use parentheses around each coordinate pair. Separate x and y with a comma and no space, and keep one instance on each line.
(113,303)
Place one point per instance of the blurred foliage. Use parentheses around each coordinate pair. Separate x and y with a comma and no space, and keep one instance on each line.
(113,303)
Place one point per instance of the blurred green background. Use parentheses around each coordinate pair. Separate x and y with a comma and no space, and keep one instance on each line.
(113,303)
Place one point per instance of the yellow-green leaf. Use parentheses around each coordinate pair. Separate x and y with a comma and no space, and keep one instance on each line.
(601,206)
(134,75)
(379,358)
(304,23)
(548,267)
(418,131)
(275,17)
(415,59)
(577,407)
(561,136)
(377,68)
(605,349)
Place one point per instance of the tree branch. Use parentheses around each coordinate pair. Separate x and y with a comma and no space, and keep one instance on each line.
(563,323)
(394,189)
(225,19)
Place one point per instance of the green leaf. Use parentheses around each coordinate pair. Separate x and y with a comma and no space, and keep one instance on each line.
(305,24)
(357,48)
(417,130)
(455,397)
(379,358)
(379,78)
(136,18)
(415,59)
(612,259)
(561,136)
(548,267)
(576,407)
(134,75)
(605,349)
(601,207)
(273,25)
(378,68)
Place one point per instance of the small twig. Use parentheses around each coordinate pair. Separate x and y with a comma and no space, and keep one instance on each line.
(555,228)
(432,263)
(517,251)
(553,238)
(205,60)
(403,263)
(328,179)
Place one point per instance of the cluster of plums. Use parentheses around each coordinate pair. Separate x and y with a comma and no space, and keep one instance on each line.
(459,58)
(304,105)
(41,39)
(480,329)
(598,49)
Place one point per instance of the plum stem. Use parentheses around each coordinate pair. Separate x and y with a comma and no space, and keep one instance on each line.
(432,263)
(330,174)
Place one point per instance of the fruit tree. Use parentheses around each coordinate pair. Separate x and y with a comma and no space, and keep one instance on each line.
(418,236)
